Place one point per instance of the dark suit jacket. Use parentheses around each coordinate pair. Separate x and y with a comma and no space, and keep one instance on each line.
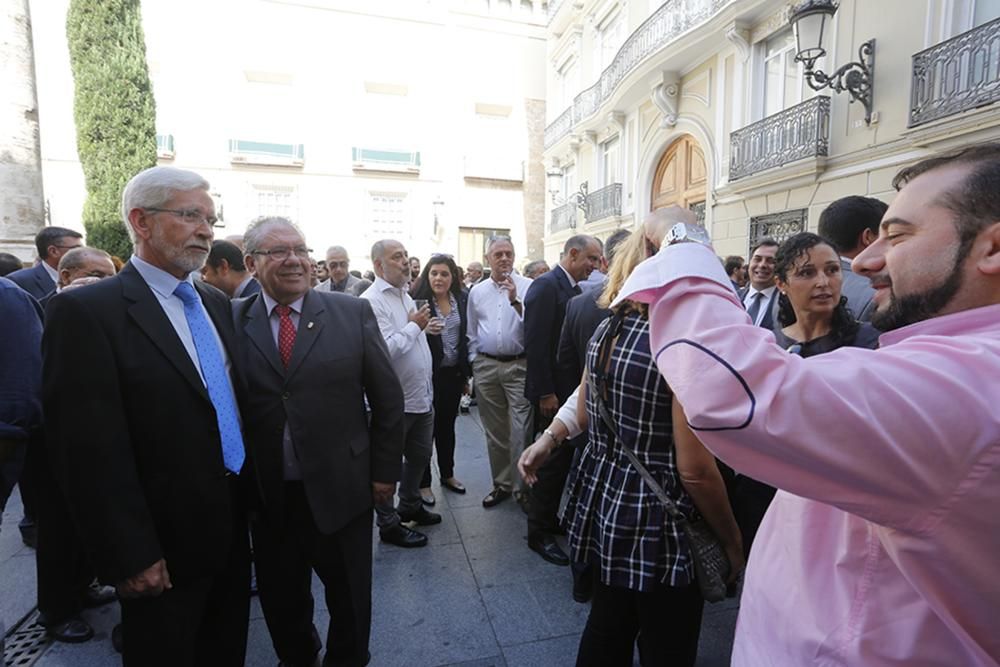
(132,432)
(582,317)
(437,345)
(770,320)
(21,364)
(34,280)
(544,310)
(859,293)
(339,358)
(253,287)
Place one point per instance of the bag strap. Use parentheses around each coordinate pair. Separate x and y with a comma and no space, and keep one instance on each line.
(597,391)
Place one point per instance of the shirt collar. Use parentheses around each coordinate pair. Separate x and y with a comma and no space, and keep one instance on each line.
(571,281)
(383,285)
(158,280)
(965,322)
(243,285)
(270,304)
(52,272)
(767,291)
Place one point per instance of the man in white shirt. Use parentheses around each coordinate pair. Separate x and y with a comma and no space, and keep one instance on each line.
(403,327)
(760,298)
(499,365)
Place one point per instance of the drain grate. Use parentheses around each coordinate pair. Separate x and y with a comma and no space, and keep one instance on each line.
(25,645)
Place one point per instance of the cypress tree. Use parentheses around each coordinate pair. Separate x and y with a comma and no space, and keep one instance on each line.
(114,111)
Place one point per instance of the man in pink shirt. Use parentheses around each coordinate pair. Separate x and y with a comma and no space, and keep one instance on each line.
(883,545)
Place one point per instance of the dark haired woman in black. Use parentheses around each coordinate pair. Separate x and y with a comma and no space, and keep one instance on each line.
(439,284)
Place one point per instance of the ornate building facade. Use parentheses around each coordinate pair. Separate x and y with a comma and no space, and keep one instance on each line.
(703,103)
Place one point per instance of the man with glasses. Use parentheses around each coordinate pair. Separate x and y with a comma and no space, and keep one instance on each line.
(311,359)
(51,243)
(144,433)
(338,265)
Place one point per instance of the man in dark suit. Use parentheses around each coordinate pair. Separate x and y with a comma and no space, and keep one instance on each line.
(850,225)
(311,359)
(338,265)
(51,243)
(760,297)
(547,386)
(225,270)
(144,432)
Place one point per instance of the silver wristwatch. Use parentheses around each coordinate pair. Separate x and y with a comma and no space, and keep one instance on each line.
(684,232)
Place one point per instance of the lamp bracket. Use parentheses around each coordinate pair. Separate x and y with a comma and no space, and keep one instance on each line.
(856,78)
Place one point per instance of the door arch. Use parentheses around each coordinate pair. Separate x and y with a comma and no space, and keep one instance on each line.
(681,177)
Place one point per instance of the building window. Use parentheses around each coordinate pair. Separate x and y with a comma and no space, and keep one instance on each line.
(567,83)
(985,11)
(777,226)
(568,181)
(387,214)
(472,243)
(610,36)
(275,200)
(782,75)
(610,160)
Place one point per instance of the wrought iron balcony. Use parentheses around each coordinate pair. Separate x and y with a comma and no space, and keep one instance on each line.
(672,19)
(604,203)
(957,75)
(560,127)
(563,217)
(798,132)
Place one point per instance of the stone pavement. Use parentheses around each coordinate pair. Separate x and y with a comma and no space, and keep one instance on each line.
(476,596)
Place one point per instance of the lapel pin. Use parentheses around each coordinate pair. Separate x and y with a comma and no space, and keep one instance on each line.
(309,326)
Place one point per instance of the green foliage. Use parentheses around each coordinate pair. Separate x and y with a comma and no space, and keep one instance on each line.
(114,110)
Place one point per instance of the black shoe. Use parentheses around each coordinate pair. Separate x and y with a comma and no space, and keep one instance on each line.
(453,485)
(97,595)
(546,547)
(402,536)
(583,586)
(72,631)
(421,517)
(495,497)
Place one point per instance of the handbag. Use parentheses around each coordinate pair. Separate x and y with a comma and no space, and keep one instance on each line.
(711,565)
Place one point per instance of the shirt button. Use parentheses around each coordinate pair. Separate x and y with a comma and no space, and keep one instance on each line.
(286,396)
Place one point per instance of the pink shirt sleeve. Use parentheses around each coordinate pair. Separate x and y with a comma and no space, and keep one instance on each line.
(886,435)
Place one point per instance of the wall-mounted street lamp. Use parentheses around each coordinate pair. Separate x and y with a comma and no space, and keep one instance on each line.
(810,20)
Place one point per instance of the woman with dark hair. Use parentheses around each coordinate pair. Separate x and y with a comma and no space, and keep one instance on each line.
(439,284)
(813,318)
(812,313)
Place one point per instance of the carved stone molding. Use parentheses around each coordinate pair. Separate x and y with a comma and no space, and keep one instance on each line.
(738,33)
(665,96)
(616,120)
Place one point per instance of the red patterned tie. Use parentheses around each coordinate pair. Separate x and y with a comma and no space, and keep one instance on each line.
(286,334)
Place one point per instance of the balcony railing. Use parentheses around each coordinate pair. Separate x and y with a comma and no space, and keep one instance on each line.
(563,217)
(560,127)
(957,75)
(604,203)
(670,21)
(798,132)
(263,153)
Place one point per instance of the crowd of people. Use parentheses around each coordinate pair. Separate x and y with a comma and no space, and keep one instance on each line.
(212,408)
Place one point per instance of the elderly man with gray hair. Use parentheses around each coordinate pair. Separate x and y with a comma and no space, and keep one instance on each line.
(144,433)
(338,264)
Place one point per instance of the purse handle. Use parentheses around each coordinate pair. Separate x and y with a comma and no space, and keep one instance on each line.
(598,390)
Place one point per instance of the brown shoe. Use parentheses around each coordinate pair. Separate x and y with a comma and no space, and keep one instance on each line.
(495,497)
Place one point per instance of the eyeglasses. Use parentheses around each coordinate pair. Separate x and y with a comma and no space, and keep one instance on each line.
(281,254)
(192,216)
(337,265)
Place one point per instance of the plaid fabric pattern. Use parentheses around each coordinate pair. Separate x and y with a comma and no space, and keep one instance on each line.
(614,520)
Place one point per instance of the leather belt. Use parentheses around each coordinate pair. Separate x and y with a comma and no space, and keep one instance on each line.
(504,357)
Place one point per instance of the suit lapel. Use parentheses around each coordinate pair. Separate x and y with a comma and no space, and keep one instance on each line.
(310,326)
(258,330)
(149,316)
(563,282)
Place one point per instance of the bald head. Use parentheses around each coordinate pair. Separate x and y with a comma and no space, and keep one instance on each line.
(84,262)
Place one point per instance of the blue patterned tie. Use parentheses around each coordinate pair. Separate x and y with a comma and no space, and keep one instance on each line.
(216,380)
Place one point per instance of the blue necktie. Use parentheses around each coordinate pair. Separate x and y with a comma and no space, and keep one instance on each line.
(216,380)
(754,308)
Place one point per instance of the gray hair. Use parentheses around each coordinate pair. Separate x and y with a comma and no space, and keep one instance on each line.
(258,226)
(499,238)
(378,248)
(77,257)
(338,249)
(153,187)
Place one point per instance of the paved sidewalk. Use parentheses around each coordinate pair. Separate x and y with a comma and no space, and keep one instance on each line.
(476,596)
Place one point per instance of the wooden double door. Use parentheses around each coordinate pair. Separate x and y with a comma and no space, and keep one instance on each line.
(681,177)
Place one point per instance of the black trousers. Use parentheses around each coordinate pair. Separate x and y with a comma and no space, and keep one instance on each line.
(448,385)
(665,622)
(200,622)
(286,556)
(63,570)
(547,491)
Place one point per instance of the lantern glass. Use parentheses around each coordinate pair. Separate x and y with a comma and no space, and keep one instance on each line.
(810,24)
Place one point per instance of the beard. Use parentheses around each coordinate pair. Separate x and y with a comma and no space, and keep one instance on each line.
(913,308)
(184,259)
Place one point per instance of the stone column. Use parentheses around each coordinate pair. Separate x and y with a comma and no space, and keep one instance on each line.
(22,203)
(534,180)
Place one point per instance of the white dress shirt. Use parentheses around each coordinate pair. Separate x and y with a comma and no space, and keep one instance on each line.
(407,343)
(291,458)
(163,285)
(765,300)
(494,325)
(52,272)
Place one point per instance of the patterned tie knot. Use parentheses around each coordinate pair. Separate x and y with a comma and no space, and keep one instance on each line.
(185,292)
(283,311)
